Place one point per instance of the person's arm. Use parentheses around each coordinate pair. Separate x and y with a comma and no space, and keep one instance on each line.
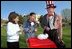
(21,30)
(42,23)
(60,27)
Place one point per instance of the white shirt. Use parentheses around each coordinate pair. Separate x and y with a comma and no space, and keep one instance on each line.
(12,32)
(51,19)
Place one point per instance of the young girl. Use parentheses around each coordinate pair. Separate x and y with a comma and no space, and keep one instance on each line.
(13,31)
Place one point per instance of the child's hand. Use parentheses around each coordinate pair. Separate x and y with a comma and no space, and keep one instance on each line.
(30,30)
(35,30)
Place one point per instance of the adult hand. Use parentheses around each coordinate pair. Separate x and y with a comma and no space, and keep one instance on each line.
(47,28)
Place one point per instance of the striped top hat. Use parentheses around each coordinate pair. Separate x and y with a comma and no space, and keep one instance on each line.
(50,4)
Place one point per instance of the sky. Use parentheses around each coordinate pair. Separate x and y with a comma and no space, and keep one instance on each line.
(25,7)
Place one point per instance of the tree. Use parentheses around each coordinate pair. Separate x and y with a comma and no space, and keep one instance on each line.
(66,13)
(20,19)
(3,22)
(25,17)
(40,19)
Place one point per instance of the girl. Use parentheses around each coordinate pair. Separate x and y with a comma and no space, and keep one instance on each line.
(13,31)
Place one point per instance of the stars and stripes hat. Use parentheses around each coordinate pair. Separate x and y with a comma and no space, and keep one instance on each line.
(50,4)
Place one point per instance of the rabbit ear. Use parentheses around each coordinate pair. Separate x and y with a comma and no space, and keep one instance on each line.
(46,35)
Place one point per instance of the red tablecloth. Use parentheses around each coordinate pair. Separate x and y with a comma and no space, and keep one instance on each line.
(36,43)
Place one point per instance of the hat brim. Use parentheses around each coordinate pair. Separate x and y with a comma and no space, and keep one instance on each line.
(51,7)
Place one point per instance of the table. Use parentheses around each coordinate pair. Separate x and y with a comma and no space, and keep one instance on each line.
(37,43)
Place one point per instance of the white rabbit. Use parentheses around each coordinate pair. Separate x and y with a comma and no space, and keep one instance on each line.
(42,36)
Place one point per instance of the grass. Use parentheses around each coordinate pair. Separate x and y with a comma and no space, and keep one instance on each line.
(67,36)
(22,42)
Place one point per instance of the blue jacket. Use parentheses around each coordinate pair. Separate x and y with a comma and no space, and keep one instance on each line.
(27,26)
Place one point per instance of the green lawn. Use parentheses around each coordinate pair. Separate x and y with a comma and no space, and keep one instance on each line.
(22,42)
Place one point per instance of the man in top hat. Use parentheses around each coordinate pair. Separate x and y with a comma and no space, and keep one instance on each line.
(52,25)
